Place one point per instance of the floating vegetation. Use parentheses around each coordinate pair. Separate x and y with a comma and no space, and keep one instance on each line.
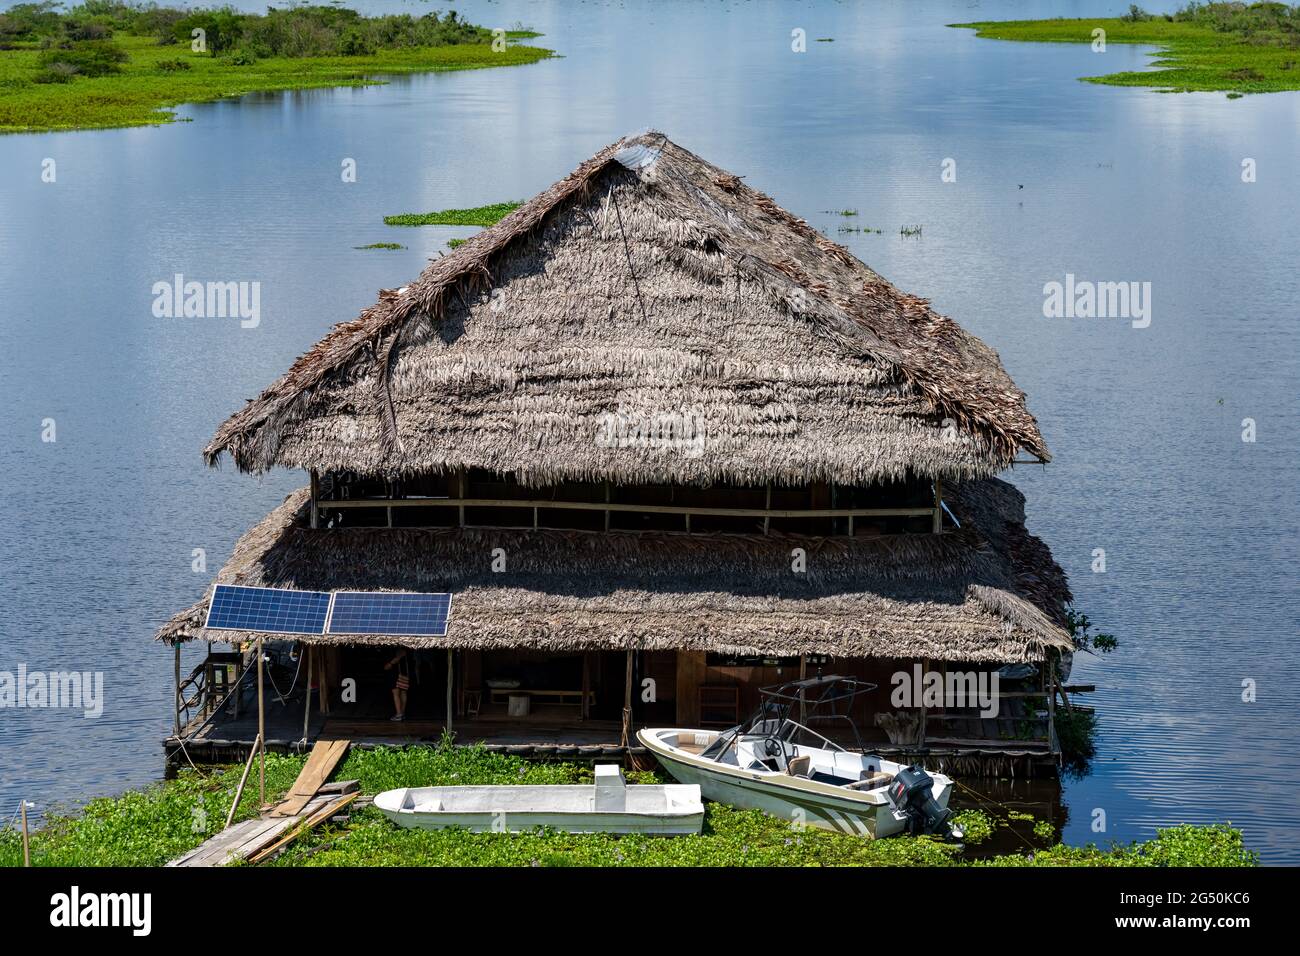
(477,216)
(456,243)
(151,826)
(859,229)
(840,212)
(910,231)
(382,245)
(1204,46)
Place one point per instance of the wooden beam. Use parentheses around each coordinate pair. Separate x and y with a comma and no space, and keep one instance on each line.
(306,710)
(315,497)
(626,740)
(460,493)
(261,729)
(239,791)
(27,853)
(177,669)
(937,527)
(690,675)
(586,685)
(451,659)
(526,503)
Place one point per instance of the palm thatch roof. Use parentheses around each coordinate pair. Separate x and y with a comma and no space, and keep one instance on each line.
(986,592)
(647,282)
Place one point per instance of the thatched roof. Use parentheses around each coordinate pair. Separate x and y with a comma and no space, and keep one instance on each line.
(646,283)
(986,592)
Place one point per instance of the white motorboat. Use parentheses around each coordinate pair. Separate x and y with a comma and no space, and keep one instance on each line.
(608,806)
(777,764)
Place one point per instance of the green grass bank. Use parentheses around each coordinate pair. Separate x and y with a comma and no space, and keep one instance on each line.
(1224,47)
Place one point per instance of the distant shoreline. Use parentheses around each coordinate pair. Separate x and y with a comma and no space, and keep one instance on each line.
(148,79)
(1202,50)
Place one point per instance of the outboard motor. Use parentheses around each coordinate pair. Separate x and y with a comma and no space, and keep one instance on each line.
(911,792)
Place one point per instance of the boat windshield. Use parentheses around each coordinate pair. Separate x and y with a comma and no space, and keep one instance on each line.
(773,733)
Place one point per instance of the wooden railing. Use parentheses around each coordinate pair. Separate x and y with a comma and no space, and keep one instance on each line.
(934,512)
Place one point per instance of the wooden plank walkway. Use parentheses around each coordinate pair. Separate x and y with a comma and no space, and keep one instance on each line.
(324,757)
(310,801)
(261,838)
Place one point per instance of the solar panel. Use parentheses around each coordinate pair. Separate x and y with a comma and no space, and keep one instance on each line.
(389,612)
(275,610)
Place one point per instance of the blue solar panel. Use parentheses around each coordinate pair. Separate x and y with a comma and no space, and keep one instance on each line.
(388,612)
(274,610)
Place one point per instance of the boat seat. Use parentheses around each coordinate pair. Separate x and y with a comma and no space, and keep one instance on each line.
(871,781)
(799,766)
(694,743)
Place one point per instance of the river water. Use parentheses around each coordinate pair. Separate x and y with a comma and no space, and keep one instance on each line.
(1054,177)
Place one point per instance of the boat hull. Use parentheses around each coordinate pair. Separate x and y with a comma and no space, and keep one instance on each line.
(671,810)
(802,802)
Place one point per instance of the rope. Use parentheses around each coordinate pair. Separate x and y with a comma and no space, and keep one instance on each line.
(284,697)
(997,803)
(627,251)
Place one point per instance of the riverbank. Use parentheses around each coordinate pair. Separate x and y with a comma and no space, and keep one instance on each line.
(128,79)
(151,826)
(1214,47)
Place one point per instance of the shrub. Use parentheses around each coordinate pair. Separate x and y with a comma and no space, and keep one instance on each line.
(26,21)
(56,73)
(222,29)
(240,57)
(87,58)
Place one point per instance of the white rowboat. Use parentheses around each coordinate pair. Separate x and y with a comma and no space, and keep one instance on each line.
(609,806)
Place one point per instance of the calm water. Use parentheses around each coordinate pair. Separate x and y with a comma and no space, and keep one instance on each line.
(1199,528)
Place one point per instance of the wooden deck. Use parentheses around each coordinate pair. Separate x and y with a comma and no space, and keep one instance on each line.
(227,739)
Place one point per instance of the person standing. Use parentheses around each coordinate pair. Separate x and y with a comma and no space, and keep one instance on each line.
(402,683)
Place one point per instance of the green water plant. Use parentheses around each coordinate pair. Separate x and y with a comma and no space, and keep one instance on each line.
(475,216)
(1237,48)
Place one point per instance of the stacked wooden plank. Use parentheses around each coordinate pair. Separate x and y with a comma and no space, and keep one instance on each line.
(324,757)
(260,838)
(310,801)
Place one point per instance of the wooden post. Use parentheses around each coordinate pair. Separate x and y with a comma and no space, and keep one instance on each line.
(177,669)
(920,734)
(767,506)
(691,672)
(451,660)
(1049,678)
(315,495)
(27,855)
(584,711)
(239,791)
(261,729)
(937,526)
(803,703)
(627,704)
(306,710)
